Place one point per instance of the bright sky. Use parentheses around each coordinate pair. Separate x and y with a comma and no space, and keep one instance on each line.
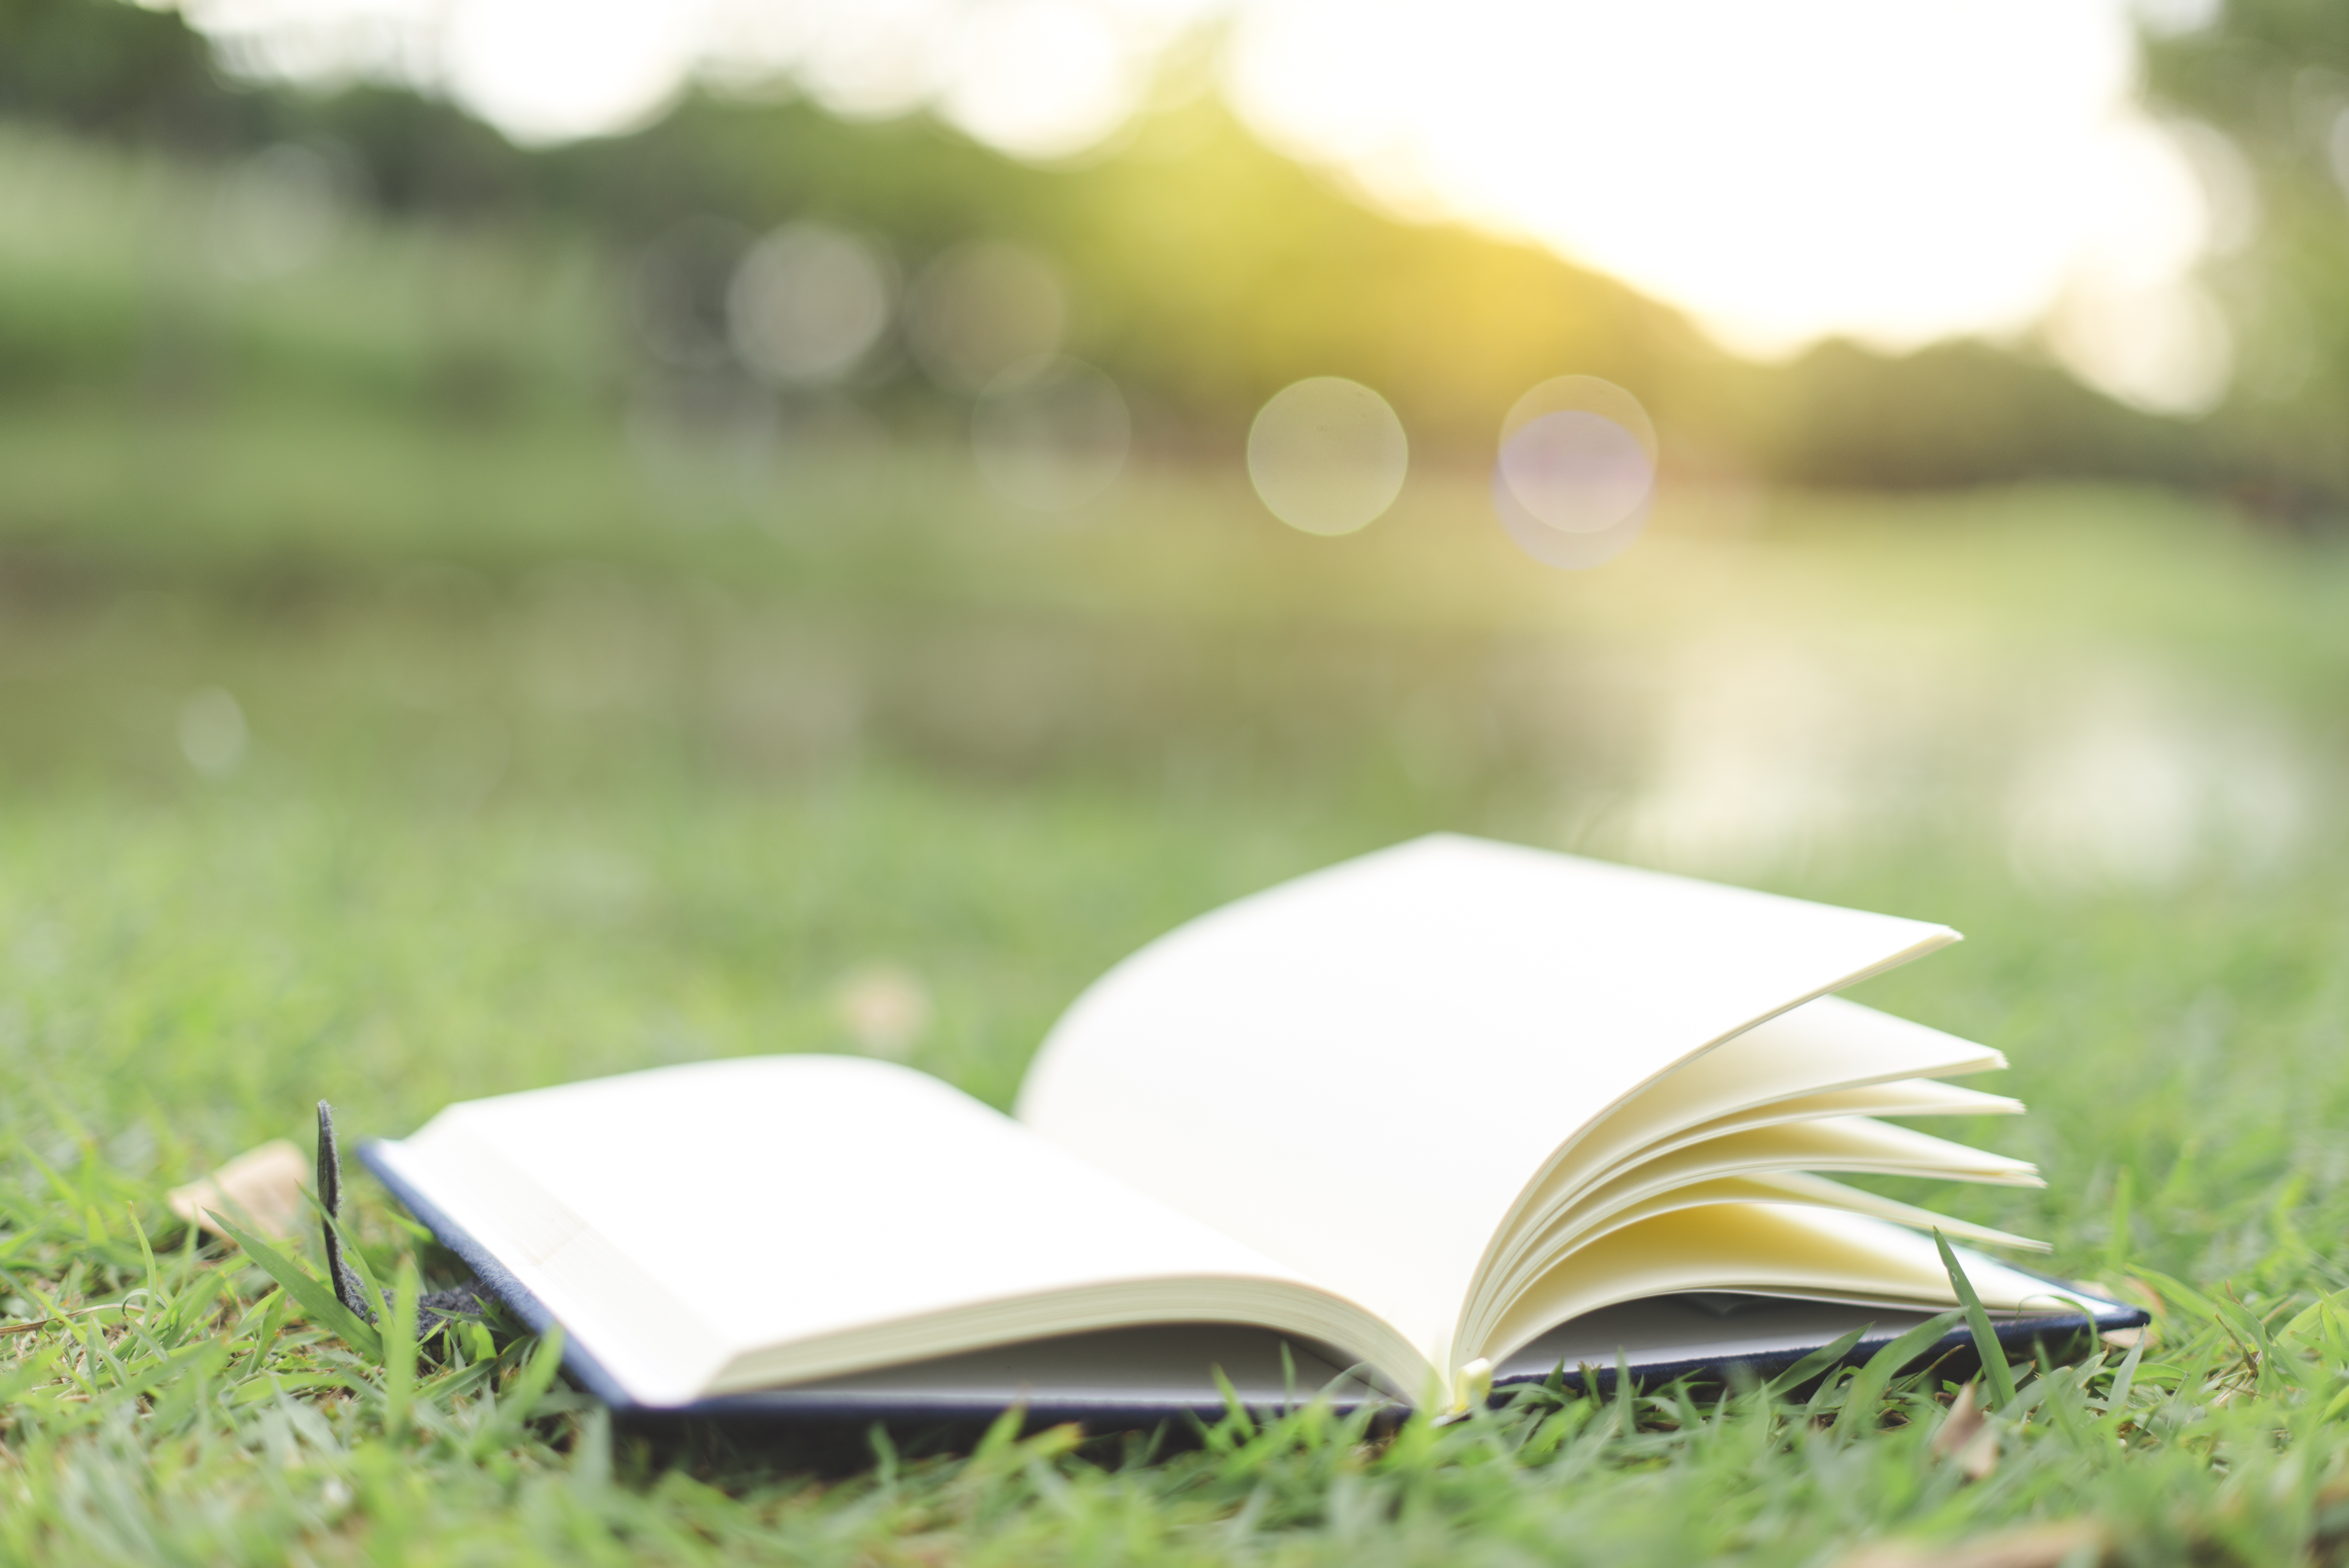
(1897,170)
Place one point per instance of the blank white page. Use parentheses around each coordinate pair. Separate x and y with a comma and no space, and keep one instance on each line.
(673,1220)
(1356,1072)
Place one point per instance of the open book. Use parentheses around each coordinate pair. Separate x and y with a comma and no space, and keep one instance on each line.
(1418,1112)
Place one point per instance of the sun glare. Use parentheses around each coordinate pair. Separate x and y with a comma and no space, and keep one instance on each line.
(1891,172)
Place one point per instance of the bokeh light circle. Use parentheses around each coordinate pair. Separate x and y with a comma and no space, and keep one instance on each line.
(1327,455)
(1040,79)
(543,70)
(1554,546)
(982,307)
(807,303)
(213,732)
(1577,471)
(1051,433)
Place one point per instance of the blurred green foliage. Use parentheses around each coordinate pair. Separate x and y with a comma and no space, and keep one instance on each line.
(2272,75)
(1208,272)
(103,68)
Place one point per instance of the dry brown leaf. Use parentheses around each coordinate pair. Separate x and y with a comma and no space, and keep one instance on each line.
(1979,1456)
(2038,1546)
(263,1185)
(1964,1420)
(1966,1438)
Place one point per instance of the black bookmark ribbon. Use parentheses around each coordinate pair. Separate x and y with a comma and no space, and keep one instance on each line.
(433,1309)
(349,1288)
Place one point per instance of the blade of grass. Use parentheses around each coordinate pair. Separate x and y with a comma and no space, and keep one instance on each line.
(514,1408)
(313,1297)
(348,1253)
(156,1299)
(1816,1362)
(271,1312)
(1995,1370)
(1868,1384)
(2176,1293)
(2116,1245)
(2116,1401)
(399,1349)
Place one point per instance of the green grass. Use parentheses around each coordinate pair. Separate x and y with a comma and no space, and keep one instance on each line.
(628,874)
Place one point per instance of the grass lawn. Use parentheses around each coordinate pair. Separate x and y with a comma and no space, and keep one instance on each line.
(449,801)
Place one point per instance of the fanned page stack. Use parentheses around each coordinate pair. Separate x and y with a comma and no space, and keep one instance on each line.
(1420,1116)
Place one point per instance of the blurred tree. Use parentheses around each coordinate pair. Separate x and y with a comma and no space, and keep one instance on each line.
(121,70)
(1211,272)
(1960,413)
(2273,76)
(104,65)
(1207,271)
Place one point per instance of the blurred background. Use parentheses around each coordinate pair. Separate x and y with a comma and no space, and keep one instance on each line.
(543,535)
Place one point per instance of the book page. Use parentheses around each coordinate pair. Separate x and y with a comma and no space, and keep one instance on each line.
(1357,1073)
(739,1223)
(1786,1068)
(1769,1248)
(1822,1046)
(1787,1150)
